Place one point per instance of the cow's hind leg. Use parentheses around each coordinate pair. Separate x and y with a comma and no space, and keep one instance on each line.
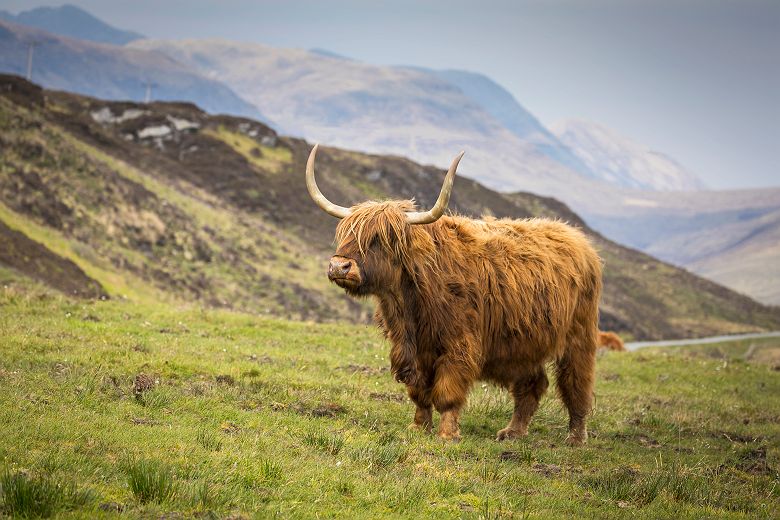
(527,392)
(576,372)
(423,416)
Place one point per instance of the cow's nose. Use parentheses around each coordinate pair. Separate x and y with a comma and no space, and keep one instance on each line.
(338,268)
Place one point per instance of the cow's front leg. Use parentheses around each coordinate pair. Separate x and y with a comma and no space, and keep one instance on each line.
(423,415)
(453,380)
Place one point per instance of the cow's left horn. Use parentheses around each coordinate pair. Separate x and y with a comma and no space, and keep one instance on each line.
(330,208)
(426,217)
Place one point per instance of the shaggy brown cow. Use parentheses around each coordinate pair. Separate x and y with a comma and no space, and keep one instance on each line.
(611,341)
(463,300)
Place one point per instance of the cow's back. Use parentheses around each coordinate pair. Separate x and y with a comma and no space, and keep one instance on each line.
(535,280)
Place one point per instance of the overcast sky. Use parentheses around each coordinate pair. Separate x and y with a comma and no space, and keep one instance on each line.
(696,79)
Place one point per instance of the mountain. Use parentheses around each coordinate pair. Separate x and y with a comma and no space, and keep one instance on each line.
(390,110)
(749,261)
(622,162)
(69,20)
(164,201)
(112,72)
(728,236)
(502,105)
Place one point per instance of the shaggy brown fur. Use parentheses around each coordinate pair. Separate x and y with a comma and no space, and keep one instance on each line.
(611,341)
(463,300)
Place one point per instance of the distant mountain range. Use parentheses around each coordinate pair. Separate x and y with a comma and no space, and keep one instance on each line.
(69,20)
(622,162)
(422,114)
(113,72)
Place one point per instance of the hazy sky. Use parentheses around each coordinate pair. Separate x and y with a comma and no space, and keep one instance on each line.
(696,79)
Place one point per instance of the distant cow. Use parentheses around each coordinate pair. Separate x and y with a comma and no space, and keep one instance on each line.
(611,341)
(463,300)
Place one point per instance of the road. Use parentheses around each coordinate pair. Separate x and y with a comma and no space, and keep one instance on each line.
(635,345)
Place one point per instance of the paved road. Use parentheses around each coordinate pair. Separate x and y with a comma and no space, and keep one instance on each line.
(634,345)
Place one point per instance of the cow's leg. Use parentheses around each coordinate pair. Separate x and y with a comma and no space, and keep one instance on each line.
(527,392)
(423,416)
(576,372)
(452,382)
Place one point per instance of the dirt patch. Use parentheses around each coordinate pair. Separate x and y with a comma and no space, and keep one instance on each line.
(364,369)
(547,470)
(37,261)
(513,456)
(328,410)
(225,379)
(142,383)
(321,410)
(754,461)
(640,438)
(739,437)
(385,396)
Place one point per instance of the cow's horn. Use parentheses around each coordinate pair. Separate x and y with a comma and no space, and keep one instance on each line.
(426,217)
(330,208)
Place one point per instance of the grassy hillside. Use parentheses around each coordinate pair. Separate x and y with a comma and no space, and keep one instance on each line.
(164,202)
(144,410)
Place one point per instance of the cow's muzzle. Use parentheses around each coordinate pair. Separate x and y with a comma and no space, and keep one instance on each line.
(339,268)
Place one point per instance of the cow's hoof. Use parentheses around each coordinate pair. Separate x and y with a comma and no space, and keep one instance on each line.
(576,439)
(450,436)
(509,433)
(426,428)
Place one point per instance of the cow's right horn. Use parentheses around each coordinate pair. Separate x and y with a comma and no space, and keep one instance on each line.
(329,208)
(427,217)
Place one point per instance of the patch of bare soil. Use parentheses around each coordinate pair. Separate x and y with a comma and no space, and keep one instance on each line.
(142,384)
(329,410)
(386,396)
(754,461)
(37,261)
(364,369)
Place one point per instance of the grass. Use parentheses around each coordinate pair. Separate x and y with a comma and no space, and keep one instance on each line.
(263,417)
(150,481)
(273,159)
(38,496)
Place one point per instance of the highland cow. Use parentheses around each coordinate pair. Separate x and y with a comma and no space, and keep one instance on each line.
(462,300)
(611,341)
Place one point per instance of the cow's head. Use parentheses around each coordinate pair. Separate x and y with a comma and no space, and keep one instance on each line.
(374,239)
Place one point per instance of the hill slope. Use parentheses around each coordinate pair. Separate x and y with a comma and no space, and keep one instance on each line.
(165,201)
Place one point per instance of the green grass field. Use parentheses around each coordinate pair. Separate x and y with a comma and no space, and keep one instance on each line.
(116,409)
